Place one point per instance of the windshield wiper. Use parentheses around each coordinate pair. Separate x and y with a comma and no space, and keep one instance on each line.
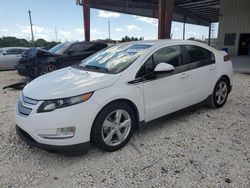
(104,69)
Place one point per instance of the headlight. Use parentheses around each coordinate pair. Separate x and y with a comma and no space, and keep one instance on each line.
(51,105)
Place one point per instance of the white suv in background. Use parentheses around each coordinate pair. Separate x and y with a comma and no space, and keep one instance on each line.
(10,56)
(105,97)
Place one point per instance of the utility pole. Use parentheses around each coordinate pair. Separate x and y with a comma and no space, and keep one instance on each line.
(56,33)
(109,28)
(33,43)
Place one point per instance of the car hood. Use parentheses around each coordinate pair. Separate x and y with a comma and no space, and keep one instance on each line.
(67,82)
(33,52)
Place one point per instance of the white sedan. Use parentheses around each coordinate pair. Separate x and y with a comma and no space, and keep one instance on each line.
(10,56)
(105,97)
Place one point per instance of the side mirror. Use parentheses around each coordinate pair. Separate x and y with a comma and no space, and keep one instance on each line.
(164,67)
(70,52)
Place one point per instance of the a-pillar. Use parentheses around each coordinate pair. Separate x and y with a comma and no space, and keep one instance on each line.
(86,20)
(165,15)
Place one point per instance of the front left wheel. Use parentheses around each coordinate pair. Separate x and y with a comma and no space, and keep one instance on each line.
(113,126)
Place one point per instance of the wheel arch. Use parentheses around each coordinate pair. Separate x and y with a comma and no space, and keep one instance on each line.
(127,101)
(227,78)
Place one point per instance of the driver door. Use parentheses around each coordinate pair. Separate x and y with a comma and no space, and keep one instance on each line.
(165,92)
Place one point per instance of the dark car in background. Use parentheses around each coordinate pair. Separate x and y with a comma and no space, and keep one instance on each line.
(36,61)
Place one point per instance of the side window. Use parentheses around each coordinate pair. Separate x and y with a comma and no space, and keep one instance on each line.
(147,68)
(197,53)
(171,55)
(80,47)
(14,51)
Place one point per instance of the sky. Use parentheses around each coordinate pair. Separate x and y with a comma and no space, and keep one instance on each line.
(65,18)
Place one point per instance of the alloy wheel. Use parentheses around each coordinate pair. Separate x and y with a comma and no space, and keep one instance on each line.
(116,127)
(221,92)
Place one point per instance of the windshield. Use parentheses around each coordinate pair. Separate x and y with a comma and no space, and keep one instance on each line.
(59,48)
(116,58)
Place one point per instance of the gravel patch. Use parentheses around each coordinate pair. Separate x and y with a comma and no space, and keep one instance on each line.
(196,148)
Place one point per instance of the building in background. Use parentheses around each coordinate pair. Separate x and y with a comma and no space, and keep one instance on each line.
(234,27)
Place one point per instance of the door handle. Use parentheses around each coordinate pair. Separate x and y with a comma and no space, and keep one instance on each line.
(184,75)
(212,67)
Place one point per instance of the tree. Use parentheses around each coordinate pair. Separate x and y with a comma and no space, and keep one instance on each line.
(128,39)
(15,42)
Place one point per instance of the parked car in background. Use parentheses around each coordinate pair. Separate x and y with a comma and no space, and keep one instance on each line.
(10,56)
(105,97)
(36,62)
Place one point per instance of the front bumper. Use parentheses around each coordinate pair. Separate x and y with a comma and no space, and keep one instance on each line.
(76,149)
(33,124)
(27,70)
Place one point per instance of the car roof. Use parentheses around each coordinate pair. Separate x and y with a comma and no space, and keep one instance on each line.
(6,48)
(169,42)
(87,42)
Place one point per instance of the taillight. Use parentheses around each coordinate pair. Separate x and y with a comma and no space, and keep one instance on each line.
(227,58)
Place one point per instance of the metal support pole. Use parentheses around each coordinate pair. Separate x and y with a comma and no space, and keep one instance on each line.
(209,35)
(165,15)
(184,27)
(160,19)
(31,29)
(169,9)
(109,28)
(86,20)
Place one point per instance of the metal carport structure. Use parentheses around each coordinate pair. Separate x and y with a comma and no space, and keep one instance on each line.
(200,12)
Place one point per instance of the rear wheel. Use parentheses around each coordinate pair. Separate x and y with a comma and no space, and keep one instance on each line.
(113,126)
(220,93)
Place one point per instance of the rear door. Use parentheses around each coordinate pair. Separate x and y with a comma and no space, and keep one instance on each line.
(202,72)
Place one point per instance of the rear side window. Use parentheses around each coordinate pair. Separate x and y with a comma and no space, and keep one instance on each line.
(197,54)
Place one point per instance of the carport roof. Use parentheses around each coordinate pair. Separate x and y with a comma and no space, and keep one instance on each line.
(201,12)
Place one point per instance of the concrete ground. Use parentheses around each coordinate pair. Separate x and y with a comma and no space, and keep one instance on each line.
(200,148)
(241,64)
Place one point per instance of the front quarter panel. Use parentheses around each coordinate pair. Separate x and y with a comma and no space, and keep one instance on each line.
(123,90)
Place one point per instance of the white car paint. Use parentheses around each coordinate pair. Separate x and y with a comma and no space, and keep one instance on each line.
(152,99)
(8,61)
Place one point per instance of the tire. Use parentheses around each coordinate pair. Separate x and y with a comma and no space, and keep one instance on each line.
(221,90)
(47,68)
(110,134)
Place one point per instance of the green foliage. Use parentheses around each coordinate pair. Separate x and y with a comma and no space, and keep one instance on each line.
(194,39)
(15,42)
(128,39)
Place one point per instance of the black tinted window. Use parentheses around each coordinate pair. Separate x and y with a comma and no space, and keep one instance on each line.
(14,51)
(197,53)
(81,47)
(171,55)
